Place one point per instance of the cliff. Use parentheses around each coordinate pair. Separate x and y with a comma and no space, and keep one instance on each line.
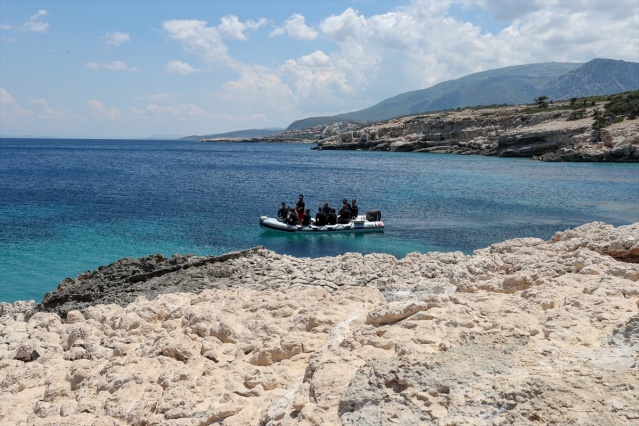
(522,332)
(510,131)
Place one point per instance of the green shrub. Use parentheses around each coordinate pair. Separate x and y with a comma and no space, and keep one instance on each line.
(618,106)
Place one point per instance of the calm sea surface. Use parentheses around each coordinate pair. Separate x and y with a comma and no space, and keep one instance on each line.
(67,206)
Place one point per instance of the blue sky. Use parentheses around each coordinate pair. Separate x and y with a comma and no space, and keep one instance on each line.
(139,68)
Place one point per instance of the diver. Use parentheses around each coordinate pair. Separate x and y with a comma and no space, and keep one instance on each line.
(354,209)
(282,212)
(321,219)
(332,217)
(306,220)
(344,212)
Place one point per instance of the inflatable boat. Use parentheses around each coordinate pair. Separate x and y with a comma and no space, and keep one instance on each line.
(358,225)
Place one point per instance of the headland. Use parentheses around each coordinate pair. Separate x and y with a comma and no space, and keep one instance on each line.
(559,134)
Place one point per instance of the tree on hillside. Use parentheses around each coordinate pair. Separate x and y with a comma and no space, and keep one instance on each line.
(541,101)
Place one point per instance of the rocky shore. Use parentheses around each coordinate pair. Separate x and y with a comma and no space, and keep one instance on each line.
(522,332)
(557,135)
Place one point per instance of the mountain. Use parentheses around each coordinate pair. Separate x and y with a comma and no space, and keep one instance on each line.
(250,133)
(597,77)
(510,86)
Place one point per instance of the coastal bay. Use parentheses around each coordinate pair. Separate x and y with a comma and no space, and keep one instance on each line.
(72,205)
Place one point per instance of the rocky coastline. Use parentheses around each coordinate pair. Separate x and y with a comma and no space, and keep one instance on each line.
(522,332)
(556,135)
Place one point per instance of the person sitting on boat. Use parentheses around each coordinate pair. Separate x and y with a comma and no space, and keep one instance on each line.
(332,217)
(306,221)
(326,209)
(282,213)
(354,209)
(299,208)
(291,218)
(344,212)
(321,218)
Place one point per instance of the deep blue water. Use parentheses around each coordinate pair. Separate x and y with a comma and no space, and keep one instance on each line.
(67,206)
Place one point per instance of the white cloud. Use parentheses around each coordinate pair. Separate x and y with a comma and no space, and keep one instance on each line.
(102,112)
(116,38)
(178,67)
(48,111)
(208,42)
(232,28)
(296,28)
(35,22)
(196,37)
(10,108)
(111,66)
(347,26)
(116,66)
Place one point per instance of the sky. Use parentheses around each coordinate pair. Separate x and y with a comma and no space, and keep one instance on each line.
(145,68)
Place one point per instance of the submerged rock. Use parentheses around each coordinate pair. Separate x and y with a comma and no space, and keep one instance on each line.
(524,331)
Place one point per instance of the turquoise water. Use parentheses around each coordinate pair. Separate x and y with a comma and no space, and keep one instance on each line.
(67,206)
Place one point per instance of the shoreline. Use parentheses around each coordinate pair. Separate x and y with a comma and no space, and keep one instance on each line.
(500,132)
(522,331)
(122,281)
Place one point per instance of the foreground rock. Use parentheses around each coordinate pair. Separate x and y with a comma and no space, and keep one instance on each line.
(504,131)
(521,332)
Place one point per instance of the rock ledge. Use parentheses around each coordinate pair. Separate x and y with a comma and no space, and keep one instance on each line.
(522,332)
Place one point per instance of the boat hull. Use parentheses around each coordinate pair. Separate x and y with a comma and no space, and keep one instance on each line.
(355,226)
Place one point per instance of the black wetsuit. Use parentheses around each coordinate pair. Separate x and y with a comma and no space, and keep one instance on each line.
(332,217)
(321,219)
(354,211)
(344,214)
(281,213)
(306,221)
(291,219)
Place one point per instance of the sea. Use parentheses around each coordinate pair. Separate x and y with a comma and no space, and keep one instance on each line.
(71,205)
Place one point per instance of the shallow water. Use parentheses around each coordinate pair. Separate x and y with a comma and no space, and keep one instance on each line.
(71,205)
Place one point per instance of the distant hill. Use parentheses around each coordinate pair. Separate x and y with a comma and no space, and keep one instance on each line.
(597,77)
(511,85)
(251,133)
(503,86)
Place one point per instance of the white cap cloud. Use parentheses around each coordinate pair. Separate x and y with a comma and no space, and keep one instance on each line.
(111,66)
(102,112)
(35,22)
(178,67)
(296,28)
(208,42)
(116,38)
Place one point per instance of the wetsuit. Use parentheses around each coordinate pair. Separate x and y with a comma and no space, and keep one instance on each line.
(354,211)
(281,213)
(321,219)
(332,217)
(344,214)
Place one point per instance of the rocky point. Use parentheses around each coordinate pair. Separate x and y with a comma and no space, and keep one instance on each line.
(508,131)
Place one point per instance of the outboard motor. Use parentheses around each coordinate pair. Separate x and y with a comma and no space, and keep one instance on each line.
(373,215)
